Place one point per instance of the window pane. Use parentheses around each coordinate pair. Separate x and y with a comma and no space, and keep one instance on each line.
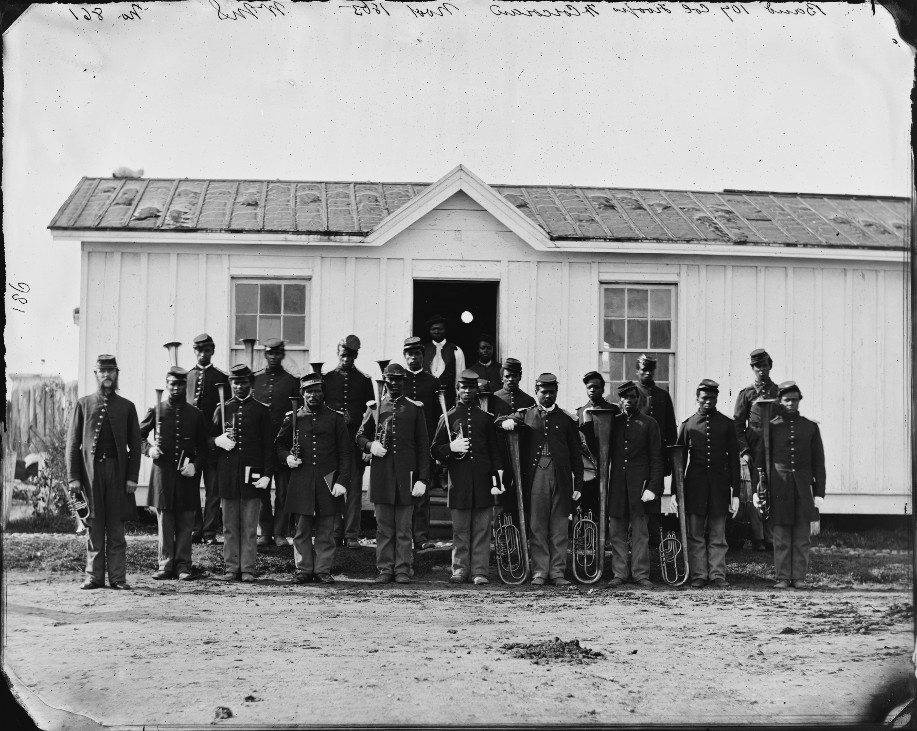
(660,333)
(605,364)
(247,299)
(294,329)
(270,300)
(637,303)
(662,367)
(294,299)
(636,333)
(614,302)
(246,327)
(616,371)
(268,327)
(661,303)
(614,333)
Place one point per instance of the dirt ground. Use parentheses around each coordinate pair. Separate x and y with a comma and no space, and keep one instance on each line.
(432,653)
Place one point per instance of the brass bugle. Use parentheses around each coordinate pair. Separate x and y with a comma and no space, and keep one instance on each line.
(249,345)
(589,551)
(383,364)
(173,351)
(673,554)
(317,366)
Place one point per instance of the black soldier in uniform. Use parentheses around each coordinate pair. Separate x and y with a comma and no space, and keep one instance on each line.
(420,385)
(203,393)
(103,460)
(274,386)
(486,367)
(711,485)
(395,434)
(179,455)
(443,359)
(508,400)
(319,473)
(796,485)
(595,392)
(349,390)
(747,419)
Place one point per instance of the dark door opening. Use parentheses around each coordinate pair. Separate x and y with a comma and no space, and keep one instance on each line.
(451,299)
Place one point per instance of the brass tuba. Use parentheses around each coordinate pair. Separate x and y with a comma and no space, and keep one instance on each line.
(511,541)
(589,534)
(317,366)
(157,423)
(173,351)
(764,471)
(295,449)
(673,553)
(484,395)
(249,345)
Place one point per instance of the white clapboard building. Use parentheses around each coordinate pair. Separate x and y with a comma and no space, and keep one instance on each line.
(568,279)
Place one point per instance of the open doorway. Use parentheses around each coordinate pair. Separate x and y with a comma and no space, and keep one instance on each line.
(477,301)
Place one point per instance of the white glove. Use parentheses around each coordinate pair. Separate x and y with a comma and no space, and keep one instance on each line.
(338,490)
(734,507)
(263,483)
(293,462)
(224,442)
(74,485)
(377,450)
(508,424)
(648,496)
(131,487)
(576,495)
(459,445)
(419,489)
(819,501)
(155,453)
(754,499)
(674,502)
(189,470)
(746,458)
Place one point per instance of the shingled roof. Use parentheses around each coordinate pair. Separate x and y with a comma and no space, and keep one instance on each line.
(565,213)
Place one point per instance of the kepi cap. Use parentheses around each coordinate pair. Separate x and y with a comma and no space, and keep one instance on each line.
(646,363)
(351,342)
(310,379)
(788,387)
(273,344)
(468,378)
(512,365)
(759,355)
(708,385)
(484,337)
(106,361)
(393,371)
(177,372)
(201,341)
(592,375)
(433,320)
(546,379)
(412,343)
(240,372)
(626,387)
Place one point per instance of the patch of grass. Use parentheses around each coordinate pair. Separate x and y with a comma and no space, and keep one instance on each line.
(877,539)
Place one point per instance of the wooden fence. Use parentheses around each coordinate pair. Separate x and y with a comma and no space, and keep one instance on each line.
(36,405)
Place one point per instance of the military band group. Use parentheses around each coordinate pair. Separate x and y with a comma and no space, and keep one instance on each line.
(312,438)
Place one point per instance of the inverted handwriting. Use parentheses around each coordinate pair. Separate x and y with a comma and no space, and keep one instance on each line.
(569,11)
(20,289)
(809,9)
(363,8)
(440,10)
(248,10)
(85,13)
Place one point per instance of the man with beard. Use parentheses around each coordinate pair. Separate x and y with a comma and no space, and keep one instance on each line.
(395,434)
(318,454)
(634,489)
(711,485)
(103,461)
(485,366)
(595,392)
(245,466)
(796,485)
(274,386)
(349,390)
(179,454)
(203,393)
(466,441)
(420,385)
(747,419)
(443,359)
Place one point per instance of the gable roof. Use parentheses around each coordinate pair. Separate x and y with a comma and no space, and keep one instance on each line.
(551,213)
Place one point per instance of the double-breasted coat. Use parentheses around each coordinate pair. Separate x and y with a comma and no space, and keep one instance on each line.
(403,433)
(325,450)
(183,428)
(275,388)
(797,473)
(471,476)
(636,462)
(254,448)
(83,434)
(747,416)
(516,400)
(348,391)
(422,386)
(586,426)
(712,473)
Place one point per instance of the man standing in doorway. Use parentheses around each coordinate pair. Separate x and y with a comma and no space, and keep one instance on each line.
(486,367)
(443,359)
(349,390)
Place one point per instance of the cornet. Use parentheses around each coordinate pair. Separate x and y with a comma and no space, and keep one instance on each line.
(78,507)
(173,351)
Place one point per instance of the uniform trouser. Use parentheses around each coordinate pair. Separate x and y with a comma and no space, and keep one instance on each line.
(315,559)
(175,540)
(637,566)
(707,557)
(548,523)
(791,551)
(276,522)
(471,541)
(347,523)
(240,535)
(393,539)
(106,523)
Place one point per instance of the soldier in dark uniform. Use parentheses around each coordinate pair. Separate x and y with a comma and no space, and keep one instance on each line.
(395,434)
(349,390)
(443,359)
(595,392)
(274,386)
(635,487)
(103,461)
(319,473)
(486,367)
(204,394)
(508,400)
(466,441)
(796,485)
(421,385)
(179,455)
(711,485)
(552,467)
(747,419)
(245,465)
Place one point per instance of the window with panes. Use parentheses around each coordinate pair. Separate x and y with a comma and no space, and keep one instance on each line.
(637,319)
(270,308)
